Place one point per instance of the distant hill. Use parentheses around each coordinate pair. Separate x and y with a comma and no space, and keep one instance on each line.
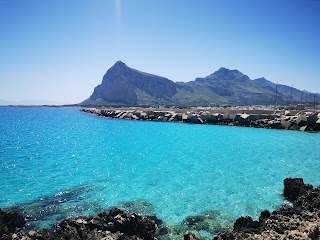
(124,86)
(29,102)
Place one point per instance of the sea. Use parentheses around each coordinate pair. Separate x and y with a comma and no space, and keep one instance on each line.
(61,162)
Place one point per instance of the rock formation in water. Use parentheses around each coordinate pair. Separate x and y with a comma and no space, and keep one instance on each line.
(114,225)
(300,221)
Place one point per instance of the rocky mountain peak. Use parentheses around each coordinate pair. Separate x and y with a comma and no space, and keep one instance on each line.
(227,74)
(125,85)
(120,64)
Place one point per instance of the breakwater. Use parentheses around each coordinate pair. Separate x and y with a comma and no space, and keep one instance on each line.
(290,120)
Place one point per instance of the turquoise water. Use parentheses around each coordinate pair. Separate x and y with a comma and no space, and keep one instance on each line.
(58,162)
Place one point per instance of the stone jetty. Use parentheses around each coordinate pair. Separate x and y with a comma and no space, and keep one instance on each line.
(290,120)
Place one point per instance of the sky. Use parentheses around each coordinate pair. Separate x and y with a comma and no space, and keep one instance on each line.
(59,50)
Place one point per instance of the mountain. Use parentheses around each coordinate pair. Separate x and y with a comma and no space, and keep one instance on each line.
(225,87)
(289,94)
(124,86)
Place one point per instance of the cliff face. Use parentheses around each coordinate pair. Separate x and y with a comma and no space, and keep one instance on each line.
(125,85)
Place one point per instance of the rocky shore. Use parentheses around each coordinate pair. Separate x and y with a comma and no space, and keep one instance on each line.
(298,220)
(303,121)
(116,224)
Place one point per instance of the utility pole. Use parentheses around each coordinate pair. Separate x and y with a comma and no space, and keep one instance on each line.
(275,102)
(290,94)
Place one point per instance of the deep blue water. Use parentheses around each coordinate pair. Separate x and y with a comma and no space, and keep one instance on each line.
(63,162)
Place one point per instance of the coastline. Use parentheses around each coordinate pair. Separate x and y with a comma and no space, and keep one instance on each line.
(308,121)
(298,220)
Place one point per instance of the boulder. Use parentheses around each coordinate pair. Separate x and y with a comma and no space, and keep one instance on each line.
(312,119)
(143,115)
(10,220)
(229,116)
(287,113)
(316,126)
(134,117)
(199,121)
(253,117)
(305,128)
(123,115)
(150,116)
(184,117)
(245,222)
(265,214)
(178,117)
(301,120)
(205,117)
(285,124)
(165,119)
(294,188)
(196,119)
(214,118)
(137,113)
(294,127)
(243,119)
(273,124)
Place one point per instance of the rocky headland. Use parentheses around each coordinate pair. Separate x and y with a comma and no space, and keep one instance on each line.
(298,220)
(290,120)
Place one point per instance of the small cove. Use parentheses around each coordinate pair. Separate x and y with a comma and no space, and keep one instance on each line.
(76,164)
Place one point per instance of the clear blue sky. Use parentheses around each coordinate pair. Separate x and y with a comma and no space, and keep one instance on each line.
(59,50)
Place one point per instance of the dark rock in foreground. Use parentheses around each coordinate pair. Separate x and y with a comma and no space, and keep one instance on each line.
(301,220)
(10,220)
(294,188)
(116,224)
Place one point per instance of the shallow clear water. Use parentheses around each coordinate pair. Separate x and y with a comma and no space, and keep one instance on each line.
(66,162)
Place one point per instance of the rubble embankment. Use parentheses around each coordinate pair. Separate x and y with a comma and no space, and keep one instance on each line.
(303,121)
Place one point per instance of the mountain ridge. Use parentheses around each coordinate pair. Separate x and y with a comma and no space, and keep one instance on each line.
(125,86)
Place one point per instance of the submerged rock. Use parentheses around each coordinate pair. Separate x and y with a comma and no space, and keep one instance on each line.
(189,236)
